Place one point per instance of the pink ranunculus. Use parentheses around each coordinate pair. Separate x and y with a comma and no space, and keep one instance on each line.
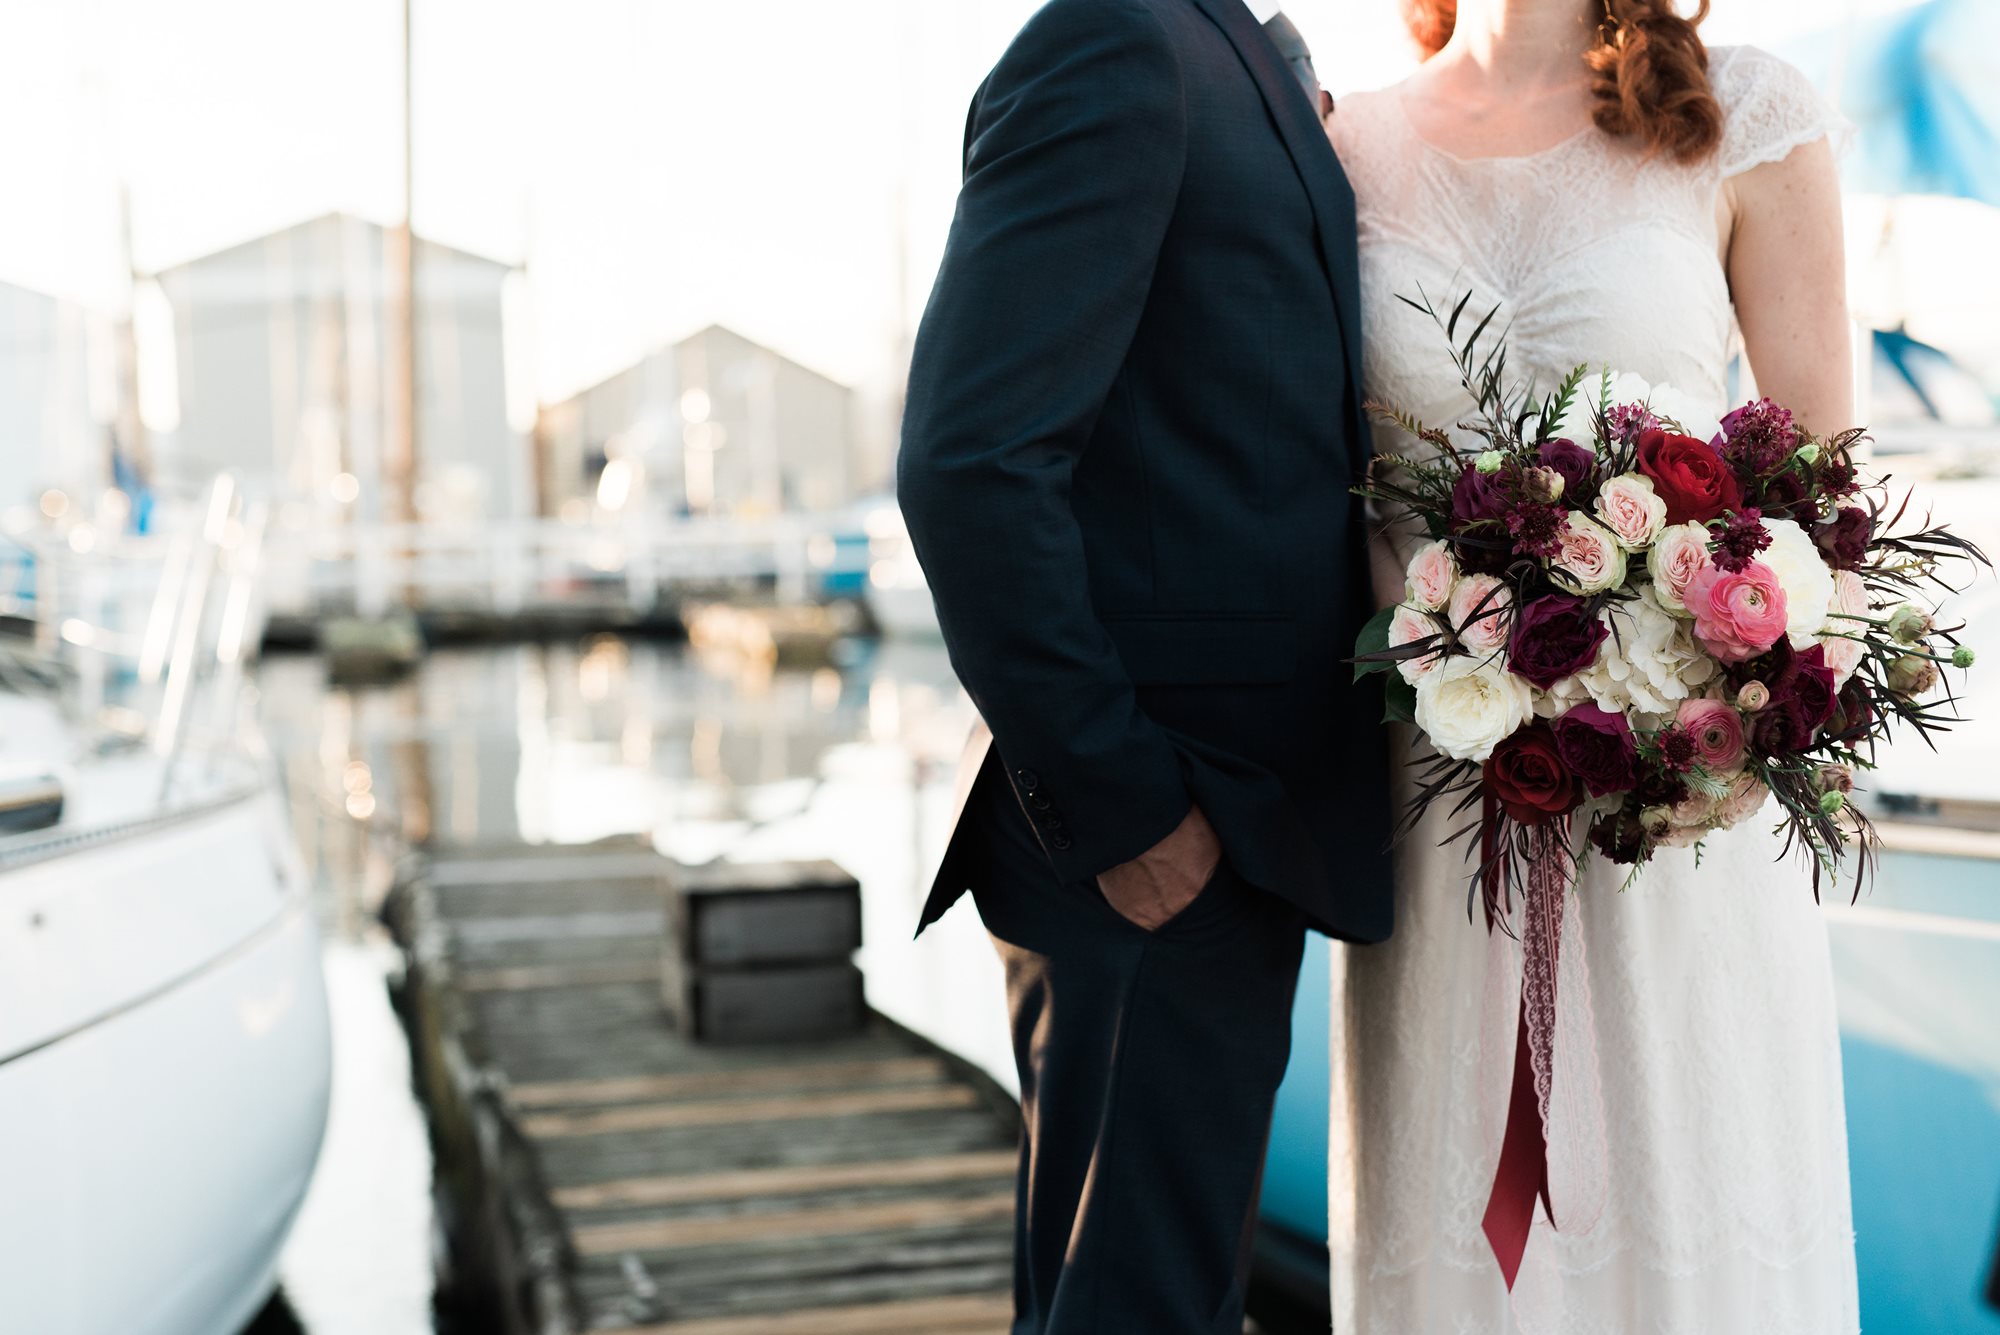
(1482,610)
(1432,573)
(1717,730)
(1738,614)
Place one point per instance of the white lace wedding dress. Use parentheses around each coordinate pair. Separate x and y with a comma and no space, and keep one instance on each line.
(1728,1208)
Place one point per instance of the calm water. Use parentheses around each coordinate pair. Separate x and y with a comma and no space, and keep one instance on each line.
(568,743)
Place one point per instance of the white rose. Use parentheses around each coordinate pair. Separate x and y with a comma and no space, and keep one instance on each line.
(1633,511)
(1482,611)
(1677,556)
(1470,705)
(1407,626)
(1590,555)
(1803,575)
(1850,599)
(1650,662)
(1432,573)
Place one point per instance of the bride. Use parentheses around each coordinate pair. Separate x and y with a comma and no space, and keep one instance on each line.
(1635,200)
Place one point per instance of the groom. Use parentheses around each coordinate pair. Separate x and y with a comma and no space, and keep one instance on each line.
(1133,421)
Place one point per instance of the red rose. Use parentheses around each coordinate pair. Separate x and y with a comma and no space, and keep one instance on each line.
(1690,475)
(1529,778)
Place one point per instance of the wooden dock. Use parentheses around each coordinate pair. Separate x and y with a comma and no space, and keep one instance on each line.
(600,1173)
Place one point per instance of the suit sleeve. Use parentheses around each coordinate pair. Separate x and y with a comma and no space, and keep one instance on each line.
(1073,164)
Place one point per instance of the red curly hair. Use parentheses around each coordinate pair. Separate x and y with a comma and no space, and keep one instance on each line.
(1651,72)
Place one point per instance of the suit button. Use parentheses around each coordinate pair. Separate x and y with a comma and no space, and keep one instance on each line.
(1029,779)
(1038,802)
(1059,842)
(1053,821)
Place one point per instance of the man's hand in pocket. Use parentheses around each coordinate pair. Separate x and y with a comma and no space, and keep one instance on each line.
(1153,888)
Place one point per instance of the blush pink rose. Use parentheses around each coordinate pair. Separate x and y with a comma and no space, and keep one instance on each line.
(1632,510)
(1677,556)
(1738,614)
(1407,626)
(1482,608)
(1432,573)
(1850,599)
(1717,730)
(1745,798)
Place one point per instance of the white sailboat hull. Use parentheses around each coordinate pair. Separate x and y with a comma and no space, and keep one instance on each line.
(164,1066)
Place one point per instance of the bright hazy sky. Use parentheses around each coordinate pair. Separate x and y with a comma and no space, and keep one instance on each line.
(657,163)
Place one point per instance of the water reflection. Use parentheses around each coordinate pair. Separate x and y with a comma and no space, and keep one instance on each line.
(709,753)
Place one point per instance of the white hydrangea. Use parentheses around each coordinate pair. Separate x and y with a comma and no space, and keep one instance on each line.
(1650,663)
(1560,698)
(1803,574)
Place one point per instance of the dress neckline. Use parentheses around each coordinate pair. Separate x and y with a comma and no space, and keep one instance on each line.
(1402,110)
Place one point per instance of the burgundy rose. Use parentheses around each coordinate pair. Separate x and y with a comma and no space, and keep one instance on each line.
(1619,835)
(1853,714)
(1529,779)
(1802,700)
(1577,465)
(1787,496)
(1660,787)
(1690,476)
(1599,747)
(1554,637)
(1811,683)
(1478,498)
(1843,539)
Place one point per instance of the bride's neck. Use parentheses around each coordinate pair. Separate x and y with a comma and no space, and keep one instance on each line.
(1520,42)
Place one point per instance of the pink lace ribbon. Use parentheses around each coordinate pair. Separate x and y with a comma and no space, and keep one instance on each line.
(1553,1146)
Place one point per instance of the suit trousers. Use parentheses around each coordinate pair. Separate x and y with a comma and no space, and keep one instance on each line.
(1149,1063)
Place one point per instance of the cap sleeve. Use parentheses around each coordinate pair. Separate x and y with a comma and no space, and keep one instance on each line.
(1769,108)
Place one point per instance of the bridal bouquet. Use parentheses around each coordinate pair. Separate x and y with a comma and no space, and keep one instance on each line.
(1630,628)
(1651,623)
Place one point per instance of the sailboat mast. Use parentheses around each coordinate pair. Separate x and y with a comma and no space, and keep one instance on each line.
(400,461)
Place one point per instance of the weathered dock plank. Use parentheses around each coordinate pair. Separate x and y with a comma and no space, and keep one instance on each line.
(610,1175)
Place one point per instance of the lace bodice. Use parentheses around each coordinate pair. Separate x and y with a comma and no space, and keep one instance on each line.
(1596,252)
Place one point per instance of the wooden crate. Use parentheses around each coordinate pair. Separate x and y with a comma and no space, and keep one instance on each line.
(762,952)
(780,1004)
(746,915)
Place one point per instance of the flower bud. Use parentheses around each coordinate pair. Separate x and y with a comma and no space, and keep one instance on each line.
(1542,484)
(1963,658)
(1912,675)
(1909,624)
(1753,696)
(1835,779)
(1831,803)
(1489,463)
(1808,454)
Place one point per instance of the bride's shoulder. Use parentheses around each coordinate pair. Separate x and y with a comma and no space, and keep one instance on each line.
(1358,119)
(1769,107)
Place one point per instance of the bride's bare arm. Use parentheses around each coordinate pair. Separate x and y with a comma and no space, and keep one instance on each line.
(1787,266)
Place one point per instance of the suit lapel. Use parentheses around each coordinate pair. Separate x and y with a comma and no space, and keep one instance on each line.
(1325,183)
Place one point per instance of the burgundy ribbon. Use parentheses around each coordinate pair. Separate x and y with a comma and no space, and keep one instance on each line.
(1523,1174)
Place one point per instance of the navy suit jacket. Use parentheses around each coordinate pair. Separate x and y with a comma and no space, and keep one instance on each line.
(1132,427)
